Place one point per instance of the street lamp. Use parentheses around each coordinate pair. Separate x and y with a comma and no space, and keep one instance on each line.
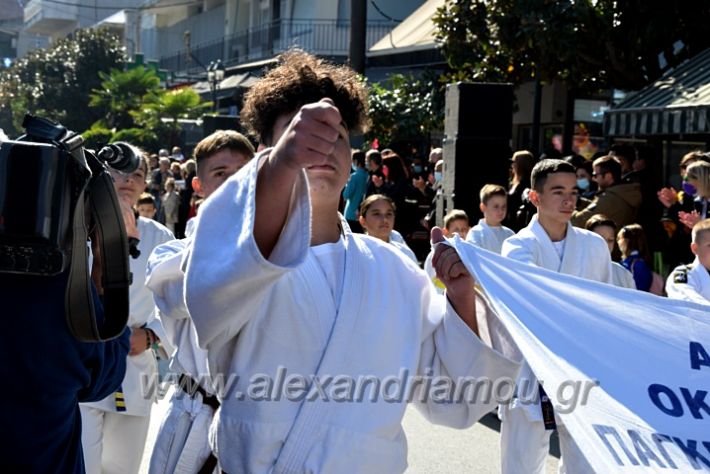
(215,74)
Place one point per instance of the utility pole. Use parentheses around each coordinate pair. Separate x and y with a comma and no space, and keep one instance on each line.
(358,27)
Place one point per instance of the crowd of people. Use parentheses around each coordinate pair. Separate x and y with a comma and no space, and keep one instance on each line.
(299,258)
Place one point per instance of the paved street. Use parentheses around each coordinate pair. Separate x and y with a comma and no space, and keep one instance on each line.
(432,449)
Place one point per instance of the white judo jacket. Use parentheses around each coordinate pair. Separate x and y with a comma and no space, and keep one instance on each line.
(690,283)
(486,237)
(257,317)
(586,255)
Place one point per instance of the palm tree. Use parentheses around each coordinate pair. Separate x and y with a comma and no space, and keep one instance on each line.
(122,92)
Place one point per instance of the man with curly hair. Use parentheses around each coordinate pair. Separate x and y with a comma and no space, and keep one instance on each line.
(303,311)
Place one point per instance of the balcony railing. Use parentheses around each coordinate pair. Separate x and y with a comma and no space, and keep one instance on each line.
(322,37)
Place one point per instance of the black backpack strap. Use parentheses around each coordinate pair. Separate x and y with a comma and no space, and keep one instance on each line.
(79,304)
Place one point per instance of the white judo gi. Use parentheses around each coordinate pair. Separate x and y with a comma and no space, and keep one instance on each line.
(113,440)
(621,276)
(181,446)
(690,283)
(257,317)
(490,238)
(398,241)
(524,440)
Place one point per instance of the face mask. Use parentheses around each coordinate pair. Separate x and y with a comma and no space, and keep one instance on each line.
(438,176)
(353,167)
(583,183)
(689,189)
(417,169)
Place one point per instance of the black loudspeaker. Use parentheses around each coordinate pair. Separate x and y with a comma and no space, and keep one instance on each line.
(469,164)
(478,127)
(479,110)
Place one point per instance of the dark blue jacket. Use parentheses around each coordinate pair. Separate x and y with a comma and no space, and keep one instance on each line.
(45,373)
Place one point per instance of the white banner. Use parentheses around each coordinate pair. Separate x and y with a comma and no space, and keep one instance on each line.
(650,355)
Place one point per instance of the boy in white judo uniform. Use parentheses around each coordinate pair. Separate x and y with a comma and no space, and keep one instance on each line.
(182,445)
(489,233)
(455,222)
(692,282)
(551,242)
(280,290)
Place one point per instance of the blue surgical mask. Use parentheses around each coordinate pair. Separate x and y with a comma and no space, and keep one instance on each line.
(417,168)
(438,176)
(689,189)
(583,184)
(353,167)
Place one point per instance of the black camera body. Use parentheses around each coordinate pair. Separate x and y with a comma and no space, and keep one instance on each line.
(48,181)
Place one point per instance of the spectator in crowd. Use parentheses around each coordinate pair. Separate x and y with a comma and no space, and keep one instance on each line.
(698,185)
(490,233)
(373,160)
(606,228)
(586,185)
(153,163)
(617,200)
(635,255)
(692,282)
(626,155)
(185,198)
(354,191)
(175,169)
(397,186)
(146,206)
(676,250)
(521,165)
(114,429)
(377,217)
(171,204)
(177,155)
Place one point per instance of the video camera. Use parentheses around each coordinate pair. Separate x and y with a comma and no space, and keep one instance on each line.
(48,181)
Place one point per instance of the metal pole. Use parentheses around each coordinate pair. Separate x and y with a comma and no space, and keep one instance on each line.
(358,27)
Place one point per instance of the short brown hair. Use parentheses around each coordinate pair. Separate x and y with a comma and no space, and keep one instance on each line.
(146,198)
(223,140)
(635,239)
(700,228)
(609,164)
(299,79)
(599,220)
(490,190)
(454,215)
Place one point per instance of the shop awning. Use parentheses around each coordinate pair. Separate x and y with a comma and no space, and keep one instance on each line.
(676,104)
(415,33)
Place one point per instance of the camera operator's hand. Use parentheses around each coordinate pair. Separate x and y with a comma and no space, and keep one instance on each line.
(139,341)
(129,219)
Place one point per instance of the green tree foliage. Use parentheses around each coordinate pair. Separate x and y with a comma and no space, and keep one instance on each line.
(56,82)
(588,44)
(406,108)
(161,111)
(123,92)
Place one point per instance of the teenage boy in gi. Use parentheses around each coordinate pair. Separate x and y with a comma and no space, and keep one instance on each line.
(276,282)
(551,242)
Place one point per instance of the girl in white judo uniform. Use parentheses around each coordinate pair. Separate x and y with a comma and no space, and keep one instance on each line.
(551,242)
(692,282)
(182,444)
(114,430)
(377,215)
(276,284)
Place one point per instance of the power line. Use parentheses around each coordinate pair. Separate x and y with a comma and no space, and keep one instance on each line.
(379,10)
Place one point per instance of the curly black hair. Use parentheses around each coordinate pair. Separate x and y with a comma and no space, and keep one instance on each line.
(299,79)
